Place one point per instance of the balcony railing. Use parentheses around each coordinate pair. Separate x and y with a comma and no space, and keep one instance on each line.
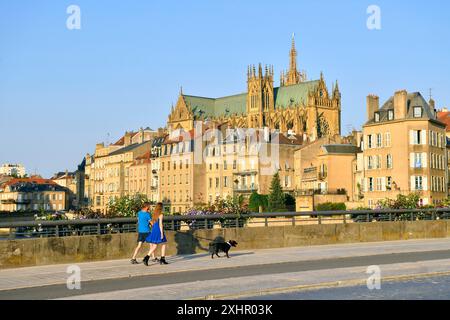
(245,188)
(246,172)
(309,192)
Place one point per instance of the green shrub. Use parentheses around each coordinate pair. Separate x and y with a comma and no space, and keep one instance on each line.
(329,206)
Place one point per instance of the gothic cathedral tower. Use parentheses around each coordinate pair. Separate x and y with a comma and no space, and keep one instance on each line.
(292,76)
(260,97)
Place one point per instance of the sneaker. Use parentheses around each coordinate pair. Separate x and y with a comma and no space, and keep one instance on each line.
(134,261)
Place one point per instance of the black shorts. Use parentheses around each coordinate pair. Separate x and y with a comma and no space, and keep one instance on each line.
(142,236)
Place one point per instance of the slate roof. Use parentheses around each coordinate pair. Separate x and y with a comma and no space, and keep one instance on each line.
(237,104)
(341,149)
(414,99)
(127,148)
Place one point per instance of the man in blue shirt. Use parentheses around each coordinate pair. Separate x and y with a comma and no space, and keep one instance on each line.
(144,229)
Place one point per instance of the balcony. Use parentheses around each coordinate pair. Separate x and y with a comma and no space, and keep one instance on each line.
(16,201)
(245,189)
(310,192)
(248,172)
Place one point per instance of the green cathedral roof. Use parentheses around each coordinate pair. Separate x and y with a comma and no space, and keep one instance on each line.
(226,106)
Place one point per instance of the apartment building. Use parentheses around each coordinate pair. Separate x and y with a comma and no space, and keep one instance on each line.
(156,167)
(9,169)
(246,160)
(404,150)
(33,194)
(182,176)
(67,180)
(109,167)
(325,172)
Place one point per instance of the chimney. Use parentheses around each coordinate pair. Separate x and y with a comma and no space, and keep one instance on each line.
(373,104)
(127,138)
(400,104)
(141,135)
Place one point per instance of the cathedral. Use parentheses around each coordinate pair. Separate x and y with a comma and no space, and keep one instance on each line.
(299,106)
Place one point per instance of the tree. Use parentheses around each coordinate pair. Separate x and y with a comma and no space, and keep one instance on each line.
(276,196)
(127,206)
(258,200)
(289,201)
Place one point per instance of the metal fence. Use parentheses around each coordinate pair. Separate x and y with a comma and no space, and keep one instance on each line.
(63,228)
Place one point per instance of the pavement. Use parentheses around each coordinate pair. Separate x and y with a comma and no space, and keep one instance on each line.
(253,273)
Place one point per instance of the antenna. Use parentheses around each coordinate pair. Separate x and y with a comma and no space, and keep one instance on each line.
(107,139)
(431,93)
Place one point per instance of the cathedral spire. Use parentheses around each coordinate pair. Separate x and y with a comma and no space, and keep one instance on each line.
(293,57)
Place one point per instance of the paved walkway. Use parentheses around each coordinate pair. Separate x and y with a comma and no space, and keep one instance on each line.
(246,272)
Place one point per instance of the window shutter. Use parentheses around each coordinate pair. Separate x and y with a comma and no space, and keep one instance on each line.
(411,160)
(413,182)
(383,184)
(425,183)
(424,160)
(411,136)
(424,136)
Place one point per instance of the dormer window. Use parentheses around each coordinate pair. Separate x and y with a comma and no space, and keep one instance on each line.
(417,112)
(391,115)
(377,117)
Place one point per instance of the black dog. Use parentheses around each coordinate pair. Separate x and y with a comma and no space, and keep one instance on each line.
(215,247)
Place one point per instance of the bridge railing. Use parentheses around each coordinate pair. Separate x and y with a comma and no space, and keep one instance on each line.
(33,229)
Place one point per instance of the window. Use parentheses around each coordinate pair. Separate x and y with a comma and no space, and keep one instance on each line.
(417,112)
(217,182)
(391,115)
(379,184)
(387,140)
(377,117)
(378,162)
(418,183)
(417,137)
(389,182)
(210,182)
(370,184)
(370,163)
(389,161)
(417,160)
(369,141)
(379,140)
(225,182)
(225,165)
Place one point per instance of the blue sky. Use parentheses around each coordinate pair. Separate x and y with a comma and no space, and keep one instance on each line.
(62,91)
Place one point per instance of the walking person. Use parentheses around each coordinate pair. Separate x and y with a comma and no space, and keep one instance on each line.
(157,236)
(144,229)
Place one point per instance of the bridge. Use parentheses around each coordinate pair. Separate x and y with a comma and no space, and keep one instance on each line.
(396,259)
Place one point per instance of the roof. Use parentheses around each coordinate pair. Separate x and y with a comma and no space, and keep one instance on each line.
(341,149)
(30,180)
(444,117)
(33,185)
(61,175)
(414,99)
(145,156)
(285,97)
(179,136)
(156,142)
(129,148)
